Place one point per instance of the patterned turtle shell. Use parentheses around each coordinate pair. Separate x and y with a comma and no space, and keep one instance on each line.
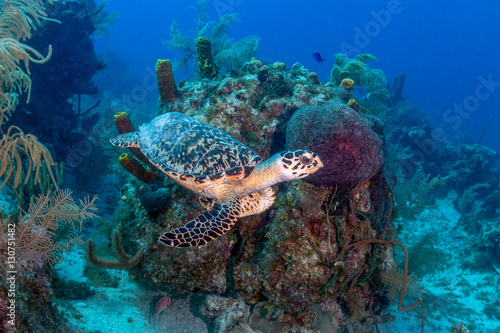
(181,144)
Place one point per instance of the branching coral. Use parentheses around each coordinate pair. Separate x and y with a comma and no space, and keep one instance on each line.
(49,227)
(226,52)
(15,145)
(17,20)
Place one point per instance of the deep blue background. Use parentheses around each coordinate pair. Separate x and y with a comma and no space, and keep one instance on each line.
(443,48)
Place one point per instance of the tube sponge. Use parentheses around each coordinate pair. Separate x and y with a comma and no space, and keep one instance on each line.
(206,64)
(165,78)
(125,261)
(124,125)
(133,166)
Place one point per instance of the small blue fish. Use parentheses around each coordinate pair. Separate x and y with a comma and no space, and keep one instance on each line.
(360,93)
(318,58)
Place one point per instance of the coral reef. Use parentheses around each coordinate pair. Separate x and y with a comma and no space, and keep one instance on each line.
(429,170)
(342,138)
(33,243)
(225,312)
(347,73)
(155,198)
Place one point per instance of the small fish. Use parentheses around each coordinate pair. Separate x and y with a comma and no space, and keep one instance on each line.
(161,306)
(318,58)
(360,93)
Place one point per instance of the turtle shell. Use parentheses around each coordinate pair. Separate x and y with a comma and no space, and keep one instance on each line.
(176,143)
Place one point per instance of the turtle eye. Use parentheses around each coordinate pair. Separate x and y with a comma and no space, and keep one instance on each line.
(306,160)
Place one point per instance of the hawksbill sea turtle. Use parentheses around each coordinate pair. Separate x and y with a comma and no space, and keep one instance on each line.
(231,178)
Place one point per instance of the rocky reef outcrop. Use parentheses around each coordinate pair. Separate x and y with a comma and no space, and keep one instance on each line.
(313,252)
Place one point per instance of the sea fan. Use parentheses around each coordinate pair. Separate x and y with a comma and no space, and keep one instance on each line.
(227,53)
(235,54)
(50,227)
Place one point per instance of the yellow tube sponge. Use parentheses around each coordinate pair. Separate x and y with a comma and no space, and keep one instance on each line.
(206,64)
(137,169)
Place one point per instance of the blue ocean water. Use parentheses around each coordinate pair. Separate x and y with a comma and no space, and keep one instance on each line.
(447,49)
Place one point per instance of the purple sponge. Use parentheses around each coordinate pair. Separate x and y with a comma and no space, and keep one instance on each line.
(344,140)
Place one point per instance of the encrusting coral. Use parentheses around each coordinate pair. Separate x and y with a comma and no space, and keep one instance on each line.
(347,84)
(311,247)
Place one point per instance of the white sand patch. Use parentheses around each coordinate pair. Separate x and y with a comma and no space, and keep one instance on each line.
(455,294)
(123,309)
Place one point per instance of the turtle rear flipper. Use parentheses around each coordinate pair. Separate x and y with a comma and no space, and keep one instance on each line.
(126,140)
(206,227)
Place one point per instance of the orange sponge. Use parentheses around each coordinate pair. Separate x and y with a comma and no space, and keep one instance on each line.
(123,123)
(133,166)
(347,84)
(166,82)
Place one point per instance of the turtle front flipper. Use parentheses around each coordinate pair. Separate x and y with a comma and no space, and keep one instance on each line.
(206,227)
(207,203)
(257,202)
(126,140)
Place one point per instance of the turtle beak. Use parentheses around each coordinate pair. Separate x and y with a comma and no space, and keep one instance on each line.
(318,161)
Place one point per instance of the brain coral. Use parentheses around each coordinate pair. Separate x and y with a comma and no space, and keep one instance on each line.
(345,141)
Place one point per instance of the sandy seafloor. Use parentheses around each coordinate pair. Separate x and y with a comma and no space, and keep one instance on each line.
(453,295)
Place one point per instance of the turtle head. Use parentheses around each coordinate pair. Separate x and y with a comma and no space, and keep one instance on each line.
(299,163)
